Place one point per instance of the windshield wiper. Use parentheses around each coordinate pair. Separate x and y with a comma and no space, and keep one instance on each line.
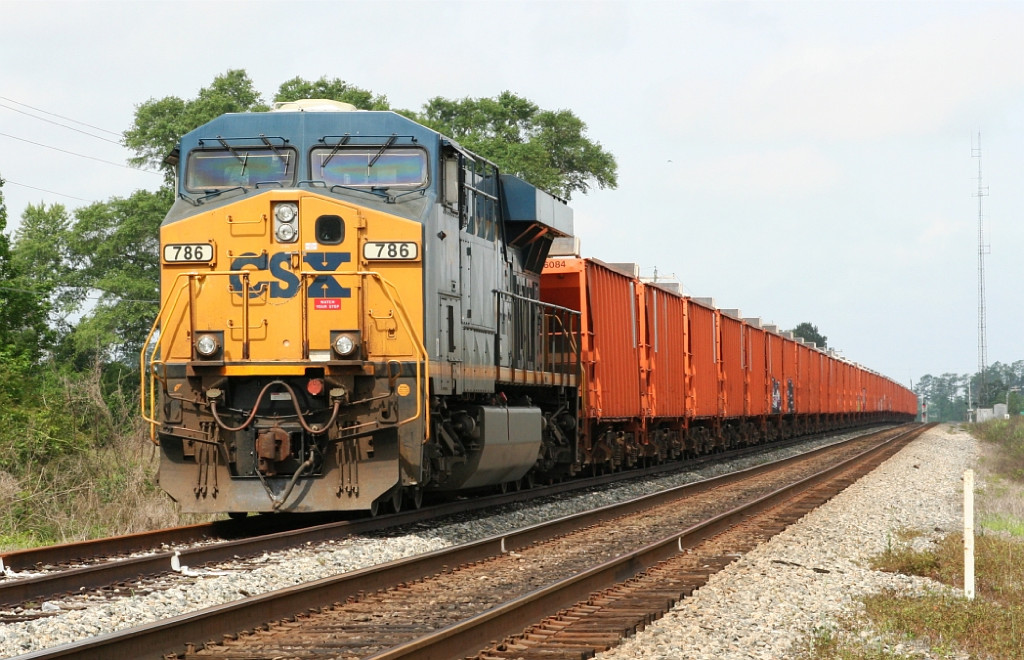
(376,192)
(272,148)
(228,147)
(342,141)
(210,194)
(391,141)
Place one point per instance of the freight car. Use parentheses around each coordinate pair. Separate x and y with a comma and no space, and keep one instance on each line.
(699,379)
(356,310)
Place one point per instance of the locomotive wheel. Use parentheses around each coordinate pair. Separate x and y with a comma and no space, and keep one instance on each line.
(396,499)
(374,508)
(414,497)
(526,483)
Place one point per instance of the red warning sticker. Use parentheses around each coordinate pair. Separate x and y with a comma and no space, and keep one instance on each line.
(327,303)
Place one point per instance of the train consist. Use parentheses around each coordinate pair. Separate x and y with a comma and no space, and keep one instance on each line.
(355,310)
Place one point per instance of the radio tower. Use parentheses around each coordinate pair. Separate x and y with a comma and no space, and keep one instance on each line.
(982,251)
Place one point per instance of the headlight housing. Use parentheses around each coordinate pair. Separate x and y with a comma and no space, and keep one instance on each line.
(345,344)
(286,228)
(208,345)
(285,233)
(286,212)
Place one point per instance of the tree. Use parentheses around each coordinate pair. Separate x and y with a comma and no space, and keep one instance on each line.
(809,332)
(114,250)
(40,256)
(547,148)
(160,123)
(946,396)
(23,328)
(336,90)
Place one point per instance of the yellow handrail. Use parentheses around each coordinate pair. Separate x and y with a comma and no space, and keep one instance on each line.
(171,304)
(146,367)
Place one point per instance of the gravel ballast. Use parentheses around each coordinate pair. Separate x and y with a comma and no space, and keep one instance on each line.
(770,600)
(756,608)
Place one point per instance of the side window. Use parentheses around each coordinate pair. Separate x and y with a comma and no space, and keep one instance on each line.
(480,180)
(451,182)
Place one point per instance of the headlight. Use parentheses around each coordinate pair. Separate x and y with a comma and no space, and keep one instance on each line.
(207,345)
(286,212)
(285,233)
(344,345)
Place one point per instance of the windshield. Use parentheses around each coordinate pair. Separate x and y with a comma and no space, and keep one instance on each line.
(218,169)
(370,167)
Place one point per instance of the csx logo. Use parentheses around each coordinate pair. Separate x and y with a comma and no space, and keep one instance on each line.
(286,283)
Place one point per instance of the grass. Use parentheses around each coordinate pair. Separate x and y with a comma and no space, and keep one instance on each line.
(945,624)
(89,491)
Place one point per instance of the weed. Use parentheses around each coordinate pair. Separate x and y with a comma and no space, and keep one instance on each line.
(948,625)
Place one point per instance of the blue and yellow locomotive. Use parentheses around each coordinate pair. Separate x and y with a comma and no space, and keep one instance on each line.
(350,316)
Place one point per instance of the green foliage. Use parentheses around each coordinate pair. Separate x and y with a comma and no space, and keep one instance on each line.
(945,396)
(23,308)
(34,415)
(40,258)
(336,90)
(547,148)
(113,249)
(809,332)
(901,559)
(987,627)
(160,123)
(74,463)
(1004,523)
(983,628)
(1008,436)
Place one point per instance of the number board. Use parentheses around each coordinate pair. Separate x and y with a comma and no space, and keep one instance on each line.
(391,250)
(188,252)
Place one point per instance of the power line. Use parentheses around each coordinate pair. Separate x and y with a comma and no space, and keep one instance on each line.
(52,192)
(108,162)
(70,128)
(53,114)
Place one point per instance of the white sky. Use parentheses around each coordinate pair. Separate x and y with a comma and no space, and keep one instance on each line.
(799,161)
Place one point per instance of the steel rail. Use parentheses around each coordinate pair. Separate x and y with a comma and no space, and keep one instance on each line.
(100,575)
(469,637)
(169,636)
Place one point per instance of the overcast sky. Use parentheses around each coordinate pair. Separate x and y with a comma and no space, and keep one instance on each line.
(798,161)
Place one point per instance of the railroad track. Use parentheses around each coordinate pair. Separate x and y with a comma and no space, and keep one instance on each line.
(120,565)
(452,603)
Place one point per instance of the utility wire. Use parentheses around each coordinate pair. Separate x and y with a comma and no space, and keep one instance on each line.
(57,123)
(52,114)
(52,192)
(108,162)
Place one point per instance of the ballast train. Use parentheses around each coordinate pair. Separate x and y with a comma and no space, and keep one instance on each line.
(355,310)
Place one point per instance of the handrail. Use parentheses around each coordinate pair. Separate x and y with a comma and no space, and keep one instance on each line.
(418,345)
(543,312)
(144,369)
(152,348)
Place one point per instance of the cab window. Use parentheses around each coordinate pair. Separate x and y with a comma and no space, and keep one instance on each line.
(219,169)
(370,167)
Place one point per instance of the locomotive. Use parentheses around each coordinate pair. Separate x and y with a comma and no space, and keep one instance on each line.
(356,310)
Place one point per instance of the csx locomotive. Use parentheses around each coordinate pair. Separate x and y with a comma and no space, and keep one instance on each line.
(353,313)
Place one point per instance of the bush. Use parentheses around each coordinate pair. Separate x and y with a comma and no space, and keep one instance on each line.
(75,458)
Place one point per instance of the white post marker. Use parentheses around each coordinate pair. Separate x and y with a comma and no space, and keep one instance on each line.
(969,534)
